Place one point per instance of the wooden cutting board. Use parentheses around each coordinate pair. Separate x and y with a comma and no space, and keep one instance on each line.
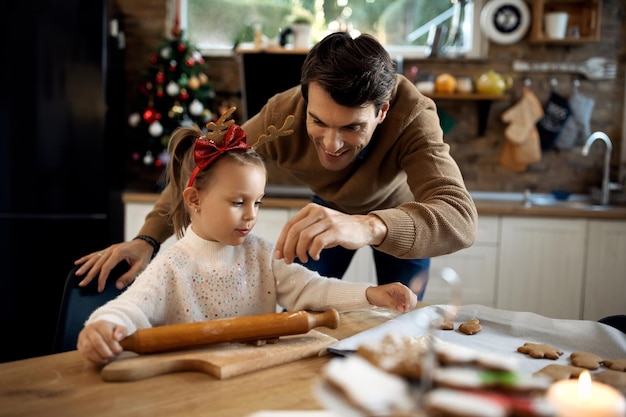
(221,361)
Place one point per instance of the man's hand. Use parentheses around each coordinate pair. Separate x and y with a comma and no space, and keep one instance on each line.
(137,253)
(316,227)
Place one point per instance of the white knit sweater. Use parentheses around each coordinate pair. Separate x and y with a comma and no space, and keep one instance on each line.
(199,280)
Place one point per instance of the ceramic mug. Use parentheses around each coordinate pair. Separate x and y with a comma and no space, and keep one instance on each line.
(556,24)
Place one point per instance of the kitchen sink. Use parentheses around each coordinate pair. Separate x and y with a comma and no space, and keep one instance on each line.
(574,201)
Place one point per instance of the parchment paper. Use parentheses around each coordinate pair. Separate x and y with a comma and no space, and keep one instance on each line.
(502,333)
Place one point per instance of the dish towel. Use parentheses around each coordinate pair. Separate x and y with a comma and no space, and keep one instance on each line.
(577,127)
(522,144)
(556,111)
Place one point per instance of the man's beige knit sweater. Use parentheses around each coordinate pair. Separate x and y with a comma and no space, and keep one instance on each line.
(405,175)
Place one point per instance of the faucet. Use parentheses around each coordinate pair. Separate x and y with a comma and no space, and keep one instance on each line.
(606,183)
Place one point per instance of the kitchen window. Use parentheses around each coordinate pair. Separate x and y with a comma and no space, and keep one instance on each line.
(405,27)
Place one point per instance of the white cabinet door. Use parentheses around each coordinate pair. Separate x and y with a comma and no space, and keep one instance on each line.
(541,266)
(605,278)
(134,217)
(362,268)
(476,266)
(270,222)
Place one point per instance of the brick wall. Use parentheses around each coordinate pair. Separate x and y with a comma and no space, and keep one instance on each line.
(145,22)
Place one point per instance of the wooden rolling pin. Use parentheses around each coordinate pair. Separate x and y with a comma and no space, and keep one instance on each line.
(236,329)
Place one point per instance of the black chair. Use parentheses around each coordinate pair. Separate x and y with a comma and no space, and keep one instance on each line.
(618,321)
(79,302)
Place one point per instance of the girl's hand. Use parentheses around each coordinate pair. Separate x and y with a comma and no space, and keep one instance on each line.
(395,295)
(98,342)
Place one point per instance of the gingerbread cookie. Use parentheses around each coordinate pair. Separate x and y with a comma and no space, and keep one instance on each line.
(615,364)
(371,390)
(540,351)
(451,402)
(447,325)
(585,360)
(395,354)
(472,326)
(616,379)
(558,372)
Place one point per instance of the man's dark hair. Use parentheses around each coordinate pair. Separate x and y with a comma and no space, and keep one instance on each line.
(355,72)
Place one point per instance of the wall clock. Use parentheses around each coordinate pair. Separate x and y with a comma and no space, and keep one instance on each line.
(505,21)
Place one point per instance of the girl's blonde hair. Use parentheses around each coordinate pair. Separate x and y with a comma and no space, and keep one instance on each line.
(182,164)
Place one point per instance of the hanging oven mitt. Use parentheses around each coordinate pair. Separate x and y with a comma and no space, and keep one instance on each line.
(556,111)
(522,117)
(577,127)
(522,146)
(508,157)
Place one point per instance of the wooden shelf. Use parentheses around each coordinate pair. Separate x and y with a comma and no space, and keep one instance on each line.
(466,96)
(584,14)
(483,104)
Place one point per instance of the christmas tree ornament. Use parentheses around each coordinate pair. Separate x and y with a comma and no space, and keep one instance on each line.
(176,111)
(173,65)
(193,83)
(134,119)
(149,115)
(164,158)
(166,52)
(160,77)
(156,129)
(184,94)
(148,159)
(196,108)
(172,89)
(197,56)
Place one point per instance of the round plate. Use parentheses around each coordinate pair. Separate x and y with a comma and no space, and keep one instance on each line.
(505,21)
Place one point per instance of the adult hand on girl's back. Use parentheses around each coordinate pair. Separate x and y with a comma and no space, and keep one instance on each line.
(394,295)
(137,253)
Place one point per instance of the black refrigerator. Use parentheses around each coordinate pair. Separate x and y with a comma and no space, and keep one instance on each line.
(61,157)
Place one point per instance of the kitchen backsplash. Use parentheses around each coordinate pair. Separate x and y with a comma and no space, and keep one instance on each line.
(477,155)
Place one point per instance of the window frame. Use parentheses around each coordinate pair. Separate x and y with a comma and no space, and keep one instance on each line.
(479,45)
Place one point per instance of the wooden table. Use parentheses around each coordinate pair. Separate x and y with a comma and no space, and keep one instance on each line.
(66,385)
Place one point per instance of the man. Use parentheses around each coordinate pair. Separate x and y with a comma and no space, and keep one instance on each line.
(370,147)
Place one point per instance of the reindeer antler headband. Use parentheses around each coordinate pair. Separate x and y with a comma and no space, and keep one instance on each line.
(225,136)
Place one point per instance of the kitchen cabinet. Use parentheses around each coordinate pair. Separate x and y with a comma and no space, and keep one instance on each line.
(605,276)
(134,216)
(542,265)
(582,14)
(476,266)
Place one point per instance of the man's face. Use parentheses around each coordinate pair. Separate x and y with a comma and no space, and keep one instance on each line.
(339,133)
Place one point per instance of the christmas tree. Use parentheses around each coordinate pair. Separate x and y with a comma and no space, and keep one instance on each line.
(176,91)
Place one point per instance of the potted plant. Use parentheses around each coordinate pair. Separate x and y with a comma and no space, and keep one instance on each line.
(301,28)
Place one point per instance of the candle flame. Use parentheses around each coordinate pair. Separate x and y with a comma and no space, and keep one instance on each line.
(584,385)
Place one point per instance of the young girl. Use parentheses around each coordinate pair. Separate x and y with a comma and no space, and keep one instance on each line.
(217,269)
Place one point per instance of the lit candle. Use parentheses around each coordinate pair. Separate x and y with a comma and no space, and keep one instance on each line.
(585,398)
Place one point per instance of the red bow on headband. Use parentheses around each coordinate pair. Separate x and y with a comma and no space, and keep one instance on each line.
(206,151)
